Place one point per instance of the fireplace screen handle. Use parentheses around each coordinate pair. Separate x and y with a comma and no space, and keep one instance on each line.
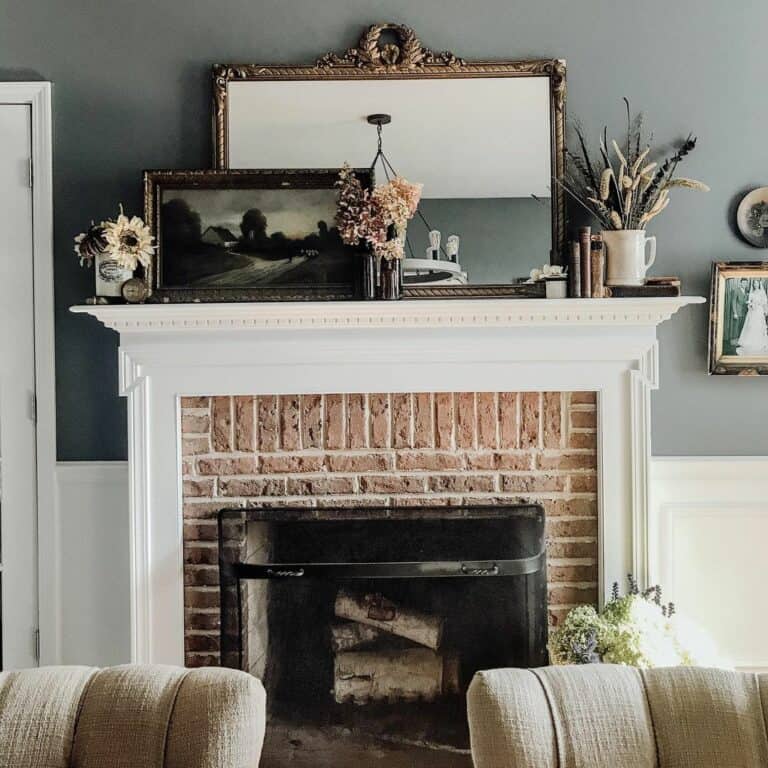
(392,570)
(298,572)
(468,571)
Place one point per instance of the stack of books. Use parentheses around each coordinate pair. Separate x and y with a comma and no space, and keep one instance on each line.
(654,286)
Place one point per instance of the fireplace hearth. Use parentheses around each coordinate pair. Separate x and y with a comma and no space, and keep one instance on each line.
(367,625)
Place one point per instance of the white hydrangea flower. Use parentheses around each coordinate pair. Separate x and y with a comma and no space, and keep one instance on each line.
(696,646)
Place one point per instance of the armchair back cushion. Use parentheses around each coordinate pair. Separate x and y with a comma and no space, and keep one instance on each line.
(606,716)
(130,717)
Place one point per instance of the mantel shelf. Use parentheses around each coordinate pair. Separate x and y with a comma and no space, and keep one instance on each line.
(411,313)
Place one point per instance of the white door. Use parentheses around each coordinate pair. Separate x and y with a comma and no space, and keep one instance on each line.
(18,508)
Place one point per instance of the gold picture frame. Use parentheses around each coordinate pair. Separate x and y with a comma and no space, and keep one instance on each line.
(189,273)
(393,51)
(738,339)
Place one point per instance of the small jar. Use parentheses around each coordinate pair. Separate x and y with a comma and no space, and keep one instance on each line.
(556,288)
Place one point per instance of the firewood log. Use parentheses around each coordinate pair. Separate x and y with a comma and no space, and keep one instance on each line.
(351,635)
(410,674)
(376,611)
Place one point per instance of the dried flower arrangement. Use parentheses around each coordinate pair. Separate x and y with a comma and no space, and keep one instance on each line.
(636,630)
(126,240)
(377,218)
(630,189)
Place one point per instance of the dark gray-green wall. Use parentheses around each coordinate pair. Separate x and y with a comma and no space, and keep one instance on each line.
(132,92)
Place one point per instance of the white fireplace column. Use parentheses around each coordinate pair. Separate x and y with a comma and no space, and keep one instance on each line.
(607,346)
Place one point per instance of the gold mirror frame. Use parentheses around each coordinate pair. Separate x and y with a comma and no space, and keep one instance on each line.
(401,56)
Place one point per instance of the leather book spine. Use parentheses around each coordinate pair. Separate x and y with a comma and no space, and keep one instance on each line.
(585,249)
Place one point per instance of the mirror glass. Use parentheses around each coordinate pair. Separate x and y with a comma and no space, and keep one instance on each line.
(482,148)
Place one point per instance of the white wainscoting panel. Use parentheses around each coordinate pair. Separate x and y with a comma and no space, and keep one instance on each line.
(92,563)
(708,539)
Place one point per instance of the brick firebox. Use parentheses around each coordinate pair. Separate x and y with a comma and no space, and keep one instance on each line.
(388,449)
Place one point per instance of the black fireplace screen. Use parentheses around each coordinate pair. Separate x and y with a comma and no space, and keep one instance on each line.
(367,627)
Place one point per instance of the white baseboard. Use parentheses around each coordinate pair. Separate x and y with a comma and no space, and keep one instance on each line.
(709,528)
(92,562)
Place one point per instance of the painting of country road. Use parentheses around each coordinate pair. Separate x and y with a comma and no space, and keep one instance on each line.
(234,240)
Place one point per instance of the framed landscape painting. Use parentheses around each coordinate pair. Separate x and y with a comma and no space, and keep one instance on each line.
(738,339)
(266,235)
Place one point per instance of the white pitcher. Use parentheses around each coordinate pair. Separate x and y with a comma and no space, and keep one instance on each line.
(625,256)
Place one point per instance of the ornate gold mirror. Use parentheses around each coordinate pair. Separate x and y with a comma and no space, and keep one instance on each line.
(485,138)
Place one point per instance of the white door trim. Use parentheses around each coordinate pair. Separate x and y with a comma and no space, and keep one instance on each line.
(38,96)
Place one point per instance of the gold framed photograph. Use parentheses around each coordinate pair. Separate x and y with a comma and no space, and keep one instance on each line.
(738,319)
(260,235)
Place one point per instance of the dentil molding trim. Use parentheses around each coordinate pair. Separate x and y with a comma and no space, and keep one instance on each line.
(410,313)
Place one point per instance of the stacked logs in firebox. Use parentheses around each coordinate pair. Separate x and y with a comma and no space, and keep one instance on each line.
(388,652)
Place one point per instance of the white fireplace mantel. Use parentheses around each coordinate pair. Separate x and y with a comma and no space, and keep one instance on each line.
(166,351)
(387,314)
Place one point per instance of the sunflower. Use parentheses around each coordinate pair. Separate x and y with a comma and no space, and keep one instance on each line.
(129,241)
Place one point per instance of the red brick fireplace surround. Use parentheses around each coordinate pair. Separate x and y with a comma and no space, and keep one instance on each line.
(388,450)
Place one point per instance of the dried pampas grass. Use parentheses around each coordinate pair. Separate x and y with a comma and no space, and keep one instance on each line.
(605,184)
(686,184)
(621,184)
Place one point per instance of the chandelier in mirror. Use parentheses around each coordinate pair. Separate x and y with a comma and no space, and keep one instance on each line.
(440,263)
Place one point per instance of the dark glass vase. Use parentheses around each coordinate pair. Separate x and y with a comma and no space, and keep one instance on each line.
(391,280)
(369,276)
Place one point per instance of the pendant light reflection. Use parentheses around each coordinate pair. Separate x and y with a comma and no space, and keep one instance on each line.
(440,265)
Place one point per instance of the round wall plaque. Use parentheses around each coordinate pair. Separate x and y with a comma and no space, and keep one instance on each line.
(752,217)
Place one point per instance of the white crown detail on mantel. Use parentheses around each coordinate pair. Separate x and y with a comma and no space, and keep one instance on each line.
(411,313)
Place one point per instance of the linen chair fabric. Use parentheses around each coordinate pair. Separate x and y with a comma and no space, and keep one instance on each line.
(605,716)
(130,717)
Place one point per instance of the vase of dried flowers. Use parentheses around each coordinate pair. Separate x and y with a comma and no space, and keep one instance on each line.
(115,248)
(625,187)
(375,220)
(391,283)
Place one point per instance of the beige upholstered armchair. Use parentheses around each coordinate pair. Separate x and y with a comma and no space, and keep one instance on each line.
(130,717)
(603,716)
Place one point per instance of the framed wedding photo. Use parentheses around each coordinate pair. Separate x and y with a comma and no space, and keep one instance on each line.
(262,235)
(738,319)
